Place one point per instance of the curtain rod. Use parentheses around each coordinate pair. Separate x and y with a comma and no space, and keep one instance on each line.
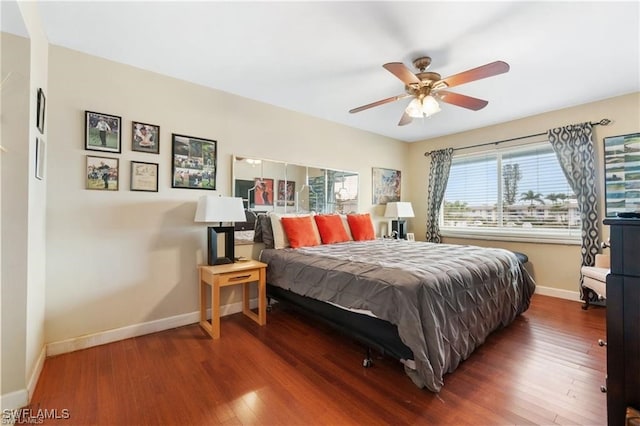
(603,122)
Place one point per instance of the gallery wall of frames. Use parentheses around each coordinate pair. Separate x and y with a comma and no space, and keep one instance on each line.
(193,159)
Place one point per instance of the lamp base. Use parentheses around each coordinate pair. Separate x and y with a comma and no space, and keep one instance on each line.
(400,229)
(212,245)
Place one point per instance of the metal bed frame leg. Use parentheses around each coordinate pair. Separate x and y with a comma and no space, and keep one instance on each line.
(368,361)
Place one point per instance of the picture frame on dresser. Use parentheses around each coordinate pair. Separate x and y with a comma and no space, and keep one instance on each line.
(622,174)
(286,193)
(263,191)
(193,162)
(102,132)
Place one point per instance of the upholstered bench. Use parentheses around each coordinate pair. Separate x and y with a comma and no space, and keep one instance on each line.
(594,278)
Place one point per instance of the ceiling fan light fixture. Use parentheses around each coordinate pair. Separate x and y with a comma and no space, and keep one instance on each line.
(430,106)
(422,108)
(414,109)
(420,86)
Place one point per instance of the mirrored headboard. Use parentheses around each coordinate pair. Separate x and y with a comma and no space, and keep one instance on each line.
(267,185)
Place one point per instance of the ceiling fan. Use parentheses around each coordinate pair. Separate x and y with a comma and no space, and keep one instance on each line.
(427,87)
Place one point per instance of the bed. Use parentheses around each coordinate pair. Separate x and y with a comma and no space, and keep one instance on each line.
(443,300)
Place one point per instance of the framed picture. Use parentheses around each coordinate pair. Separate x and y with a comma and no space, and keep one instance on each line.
(144,176)
(145,137)
(102,173)
(194,162)
(385,185)
(42,103)
(102,132)
(411,236)
(263,191)
(622,174)
(286,193)
(41,155)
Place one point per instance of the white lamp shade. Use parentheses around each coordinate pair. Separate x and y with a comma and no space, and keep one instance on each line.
(219,209)
(399,209)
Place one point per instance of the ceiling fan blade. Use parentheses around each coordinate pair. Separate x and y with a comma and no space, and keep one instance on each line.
(488,70)
(402,72)
(463,101)
(406,119)
(381,102)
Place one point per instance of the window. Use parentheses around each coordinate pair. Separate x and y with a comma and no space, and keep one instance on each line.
(515,193)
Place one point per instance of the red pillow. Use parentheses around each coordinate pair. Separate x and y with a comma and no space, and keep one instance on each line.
(300,232)
(361,227)
(331,228)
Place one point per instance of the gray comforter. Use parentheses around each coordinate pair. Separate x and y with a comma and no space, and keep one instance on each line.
(445,299)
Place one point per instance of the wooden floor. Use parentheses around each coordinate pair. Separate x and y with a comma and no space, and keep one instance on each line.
(546,368)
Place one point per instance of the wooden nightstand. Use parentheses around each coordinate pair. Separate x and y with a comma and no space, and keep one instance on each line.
(218,276)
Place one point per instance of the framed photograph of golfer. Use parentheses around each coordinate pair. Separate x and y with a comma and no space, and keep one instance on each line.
(102,173)
(194,162)
(103,132)
(145,137)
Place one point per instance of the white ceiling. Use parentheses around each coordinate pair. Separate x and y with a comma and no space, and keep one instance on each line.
(11,19)
(324,58)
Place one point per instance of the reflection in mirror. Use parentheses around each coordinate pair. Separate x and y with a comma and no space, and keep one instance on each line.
(266,185)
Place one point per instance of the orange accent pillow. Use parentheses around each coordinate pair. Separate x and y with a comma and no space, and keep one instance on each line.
(299,231)
(331,228)
(361,227)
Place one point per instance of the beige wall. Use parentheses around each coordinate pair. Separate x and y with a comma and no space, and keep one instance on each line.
(553,265)
(23,212)
(37,199)
(14,168)
(120,258)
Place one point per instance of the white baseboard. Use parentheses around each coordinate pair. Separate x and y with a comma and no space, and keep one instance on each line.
(20,398)
(35,375)
(14,400)
(114,335)
(559,293)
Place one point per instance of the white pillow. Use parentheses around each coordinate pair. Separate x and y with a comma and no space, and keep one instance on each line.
(280,239)
(345,223)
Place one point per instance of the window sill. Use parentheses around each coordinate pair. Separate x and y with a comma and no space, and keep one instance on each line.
(485,234)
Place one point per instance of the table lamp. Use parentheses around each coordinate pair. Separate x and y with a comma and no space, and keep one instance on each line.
(220,209)
(399,210)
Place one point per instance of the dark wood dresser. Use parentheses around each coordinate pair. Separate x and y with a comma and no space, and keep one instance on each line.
(623,320)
